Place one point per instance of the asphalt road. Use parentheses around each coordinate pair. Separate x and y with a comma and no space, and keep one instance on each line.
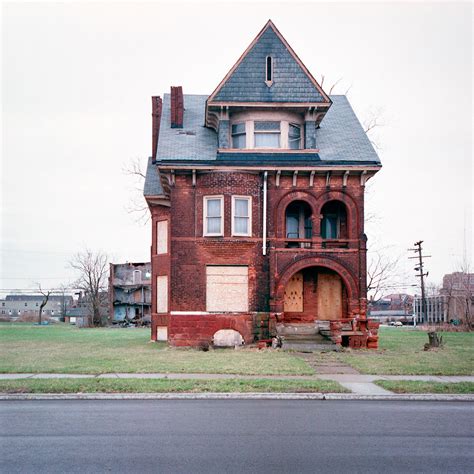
(194,436)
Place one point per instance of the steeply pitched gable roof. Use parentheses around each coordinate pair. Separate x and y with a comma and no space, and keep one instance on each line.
(292,82)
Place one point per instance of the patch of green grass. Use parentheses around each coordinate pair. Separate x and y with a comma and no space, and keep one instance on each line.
(401,353)
(94,385)
(415,386)
(25,348)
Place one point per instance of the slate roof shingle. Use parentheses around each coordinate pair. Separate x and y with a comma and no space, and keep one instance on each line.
(340,138)
(247,82)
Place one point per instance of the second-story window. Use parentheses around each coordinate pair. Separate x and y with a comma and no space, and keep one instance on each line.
(238,135)
(267,134)
(294,136)
(241,215)
(213,221)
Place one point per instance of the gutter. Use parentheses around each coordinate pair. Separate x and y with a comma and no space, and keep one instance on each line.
(264,224)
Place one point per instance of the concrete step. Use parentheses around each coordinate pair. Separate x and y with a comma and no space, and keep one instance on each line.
(307,342)
(297,329)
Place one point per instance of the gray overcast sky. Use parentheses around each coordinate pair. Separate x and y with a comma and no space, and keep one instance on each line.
(76,85)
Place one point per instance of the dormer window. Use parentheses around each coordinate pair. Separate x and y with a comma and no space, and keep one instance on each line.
(238,135)
(269,71)
(294,136)
(267,134)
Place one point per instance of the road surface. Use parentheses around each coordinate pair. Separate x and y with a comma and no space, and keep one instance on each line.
(235,436)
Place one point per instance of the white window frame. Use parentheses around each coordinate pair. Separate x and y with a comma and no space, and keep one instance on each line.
(249,208)
(204,223)
(267,132)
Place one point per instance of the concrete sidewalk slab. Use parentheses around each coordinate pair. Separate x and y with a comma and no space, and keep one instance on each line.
(365,388)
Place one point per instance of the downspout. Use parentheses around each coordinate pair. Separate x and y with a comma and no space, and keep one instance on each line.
(264,224)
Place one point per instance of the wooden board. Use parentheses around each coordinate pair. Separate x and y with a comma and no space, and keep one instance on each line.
(329,296)
(294,294)
(227,288)
(161,237)
(162,294)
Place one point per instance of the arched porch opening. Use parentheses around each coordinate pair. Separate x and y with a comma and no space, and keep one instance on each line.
(313,294)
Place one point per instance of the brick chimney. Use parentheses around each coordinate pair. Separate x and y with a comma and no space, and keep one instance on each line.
(156,107)
(177,107)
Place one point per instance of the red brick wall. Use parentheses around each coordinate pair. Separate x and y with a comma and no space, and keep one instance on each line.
(191,252)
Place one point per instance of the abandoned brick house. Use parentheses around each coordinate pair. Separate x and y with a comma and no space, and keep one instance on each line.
(130,292)
(256,194)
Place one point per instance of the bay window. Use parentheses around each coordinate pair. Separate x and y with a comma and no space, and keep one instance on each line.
(267,134)
(294,136)
(238,135)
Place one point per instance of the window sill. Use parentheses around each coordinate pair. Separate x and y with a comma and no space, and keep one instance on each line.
(268,150)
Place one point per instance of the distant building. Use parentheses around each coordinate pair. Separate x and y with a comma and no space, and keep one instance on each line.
(17,306)
(130,292)
(394,307)
(435,311)
(458,290)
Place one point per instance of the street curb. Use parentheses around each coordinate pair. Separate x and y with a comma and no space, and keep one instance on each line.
(238,396)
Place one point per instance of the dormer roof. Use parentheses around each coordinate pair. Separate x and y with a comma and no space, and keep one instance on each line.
(292,82)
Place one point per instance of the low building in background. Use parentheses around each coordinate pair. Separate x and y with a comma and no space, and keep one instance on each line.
(393,308)
(26,307)
(435,311)
(130,292)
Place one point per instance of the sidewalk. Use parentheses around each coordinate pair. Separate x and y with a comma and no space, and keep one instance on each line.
(358,384)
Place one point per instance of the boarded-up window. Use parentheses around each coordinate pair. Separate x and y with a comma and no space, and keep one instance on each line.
(162,333)
(162,294)
(162,237)
(227,288)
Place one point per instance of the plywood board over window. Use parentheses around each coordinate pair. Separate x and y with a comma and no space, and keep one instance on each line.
(162,294)
(227,288)
(162,237)
(293,302)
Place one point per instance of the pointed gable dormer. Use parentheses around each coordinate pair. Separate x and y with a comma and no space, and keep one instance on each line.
(268,76)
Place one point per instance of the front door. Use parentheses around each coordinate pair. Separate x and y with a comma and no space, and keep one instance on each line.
(329,296)
(294,294)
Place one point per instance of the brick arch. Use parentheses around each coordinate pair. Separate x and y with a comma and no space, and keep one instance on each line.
(351,209)
(348,278)
(285,201)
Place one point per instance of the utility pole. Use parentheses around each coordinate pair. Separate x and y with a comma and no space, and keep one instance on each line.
(419,268)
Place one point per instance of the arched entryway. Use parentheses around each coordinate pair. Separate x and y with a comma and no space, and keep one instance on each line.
(315,293)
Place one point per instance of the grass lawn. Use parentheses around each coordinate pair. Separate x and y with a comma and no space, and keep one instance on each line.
(159,385)
(401,353)
(414,386)
(25,348)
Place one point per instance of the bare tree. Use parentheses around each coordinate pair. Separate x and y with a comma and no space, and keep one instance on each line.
(137,205)
(46,294)
(432,289)
(382,271)
(93,272)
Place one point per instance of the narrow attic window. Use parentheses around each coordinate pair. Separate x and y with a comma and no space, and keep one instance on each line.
(269,71)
